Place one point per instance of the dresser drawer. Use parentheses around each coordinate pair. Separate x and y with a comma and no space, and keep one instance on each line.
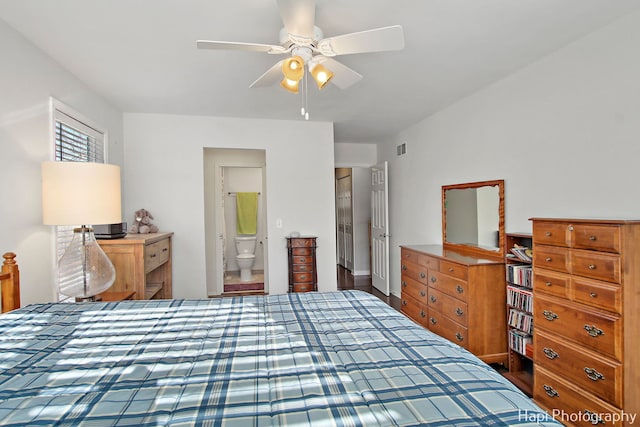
(301,251)
(414,310)
(414,289)
(301,268)
(449,306)
(552,258)
(551,392)
(551,283)
(594,329)
(596,265)
(447,328)
(407,255)
(585,369)
(449,285)
(414,271)
(302,287)
(156,254)
(452,269)
(597,237)
(302,278)
(550,233)
(306,259)
(598,294)
(429,262)
(301,242)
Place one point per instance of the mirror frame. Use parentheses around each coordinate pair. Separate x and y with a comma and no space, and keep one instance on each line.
(475,250)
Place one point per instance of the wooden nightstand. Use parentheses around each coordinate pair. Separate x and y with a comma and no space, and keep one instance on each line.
(115,296)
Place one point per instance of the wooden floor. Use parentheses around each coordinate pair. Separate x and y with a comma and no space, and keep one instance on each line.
(347,281)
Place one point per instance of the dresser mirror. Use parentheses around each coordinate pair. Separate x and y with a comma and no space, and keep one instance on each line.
(473,218)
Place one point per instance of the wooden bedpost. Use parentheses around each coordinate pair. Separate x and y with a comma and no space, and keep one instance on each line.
(10,276)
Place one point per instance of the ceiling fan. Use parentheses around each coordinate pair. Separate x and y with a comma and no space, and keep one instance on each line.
(305,44)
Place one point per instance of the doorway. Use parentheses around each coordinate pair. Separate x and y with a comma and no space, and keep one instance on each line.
(227,173)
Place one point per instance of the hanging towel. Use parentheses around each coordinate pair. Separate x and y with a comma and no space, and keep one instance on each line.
(247,213)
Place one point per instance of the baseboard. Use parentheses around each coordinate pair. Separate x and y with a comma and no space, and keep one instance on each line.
(361,272)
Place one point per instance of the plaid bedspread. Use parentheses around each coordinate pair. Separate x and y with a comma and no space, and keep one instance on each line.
(319,359)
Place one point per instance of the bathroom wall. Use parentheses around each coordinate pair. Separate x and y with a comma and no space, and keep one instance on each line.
(242,179)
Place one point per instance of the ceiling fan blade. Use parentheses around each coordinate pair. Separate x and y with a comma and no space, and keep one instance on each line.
(376,40)
(298,16)
(270,77)
(250,47)
(343,76)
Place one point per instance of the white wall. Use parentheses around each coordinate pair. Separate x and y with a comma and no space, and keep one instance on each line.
(564,133)
(164,157)
(349,155)
(28,78)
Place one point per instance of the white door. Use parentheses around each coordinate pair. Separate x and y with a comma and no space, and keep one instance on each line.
(380,228)
(340,214)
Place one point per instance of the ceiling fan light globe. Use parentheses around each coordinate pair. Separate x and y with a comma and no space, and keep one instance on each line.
(290,85)
(321,75)
(293,68)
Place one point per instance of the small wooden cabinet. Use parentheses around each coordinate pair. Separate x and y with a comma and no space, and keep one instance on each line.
(587,315)
(142,263)
(459,297)
(303,275)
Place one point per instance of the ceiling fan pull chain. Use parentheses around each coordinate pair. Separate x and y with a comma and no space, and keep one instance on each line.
(306,98)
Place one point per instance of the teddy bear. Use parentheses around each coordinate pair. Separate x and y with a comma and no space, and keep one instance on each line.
(142,223)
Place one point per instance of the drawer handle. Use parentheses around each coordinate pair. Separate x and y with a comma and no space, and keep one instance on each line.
(550,353)
(571,228)
(593,375)
(422,313)
(404,284)
(404,268)
(433,298)
(460,289)
(423,294)
(548,259)
(550,391)
(459,311)
(404,302)
(592,266)
(593,418)
(550,315)
(547,283)
(304,276)
(593,331)
(433,279)
(152,255)
(302,260)
(593,295)
(433,320)
(593,238)
(450,269)
(165,249)
(422,275)
(459,336)
(548,234)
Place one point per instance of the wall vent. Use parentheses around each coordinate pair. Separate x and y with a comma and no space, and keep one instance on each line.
(401,149)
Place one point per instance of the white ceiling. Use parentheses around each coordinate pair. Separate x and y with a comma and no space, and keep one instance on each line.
(141,55)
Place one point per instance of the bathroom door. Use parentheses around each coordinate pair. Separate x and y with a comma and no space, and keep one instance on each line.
(380,228)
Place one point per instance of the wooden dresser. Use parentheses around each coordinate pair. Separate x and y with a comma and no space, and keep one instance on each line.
(587,317)
(143,264)
(303,274)
(459,297)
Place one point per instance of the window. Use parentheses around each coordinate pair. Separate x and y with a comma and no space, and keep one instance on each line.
(75,140)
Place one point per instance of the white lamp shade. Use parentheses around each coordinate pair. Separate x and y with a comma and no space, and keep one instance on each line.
(75,193)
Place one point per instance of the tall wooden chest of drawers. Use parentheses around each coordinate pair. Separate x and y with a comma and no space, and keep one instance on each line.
(142,263)
(459,297)
(303,274)
(587,317)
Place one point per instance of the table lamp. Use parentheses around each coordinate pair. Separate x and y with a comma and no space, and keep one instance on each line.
(85,193)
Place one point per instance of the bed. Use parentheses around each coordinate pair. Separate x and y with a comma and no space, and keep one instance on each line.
(320,359)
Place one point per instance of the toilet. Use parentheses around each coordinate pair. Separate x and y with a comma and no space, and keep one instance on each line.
(245,247)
